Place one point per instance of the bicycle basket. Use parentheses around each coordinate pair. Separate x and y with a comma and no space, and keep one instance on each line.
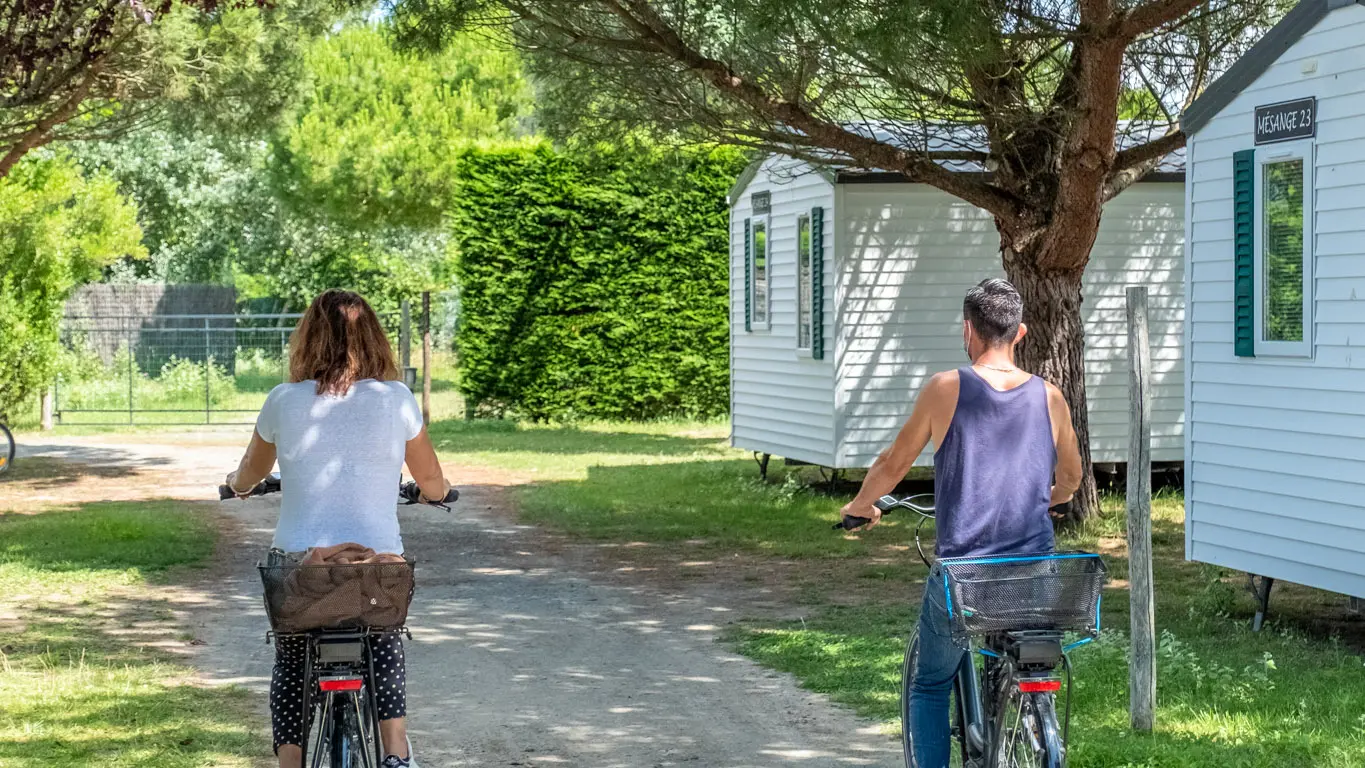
(1014,593)
(299,598)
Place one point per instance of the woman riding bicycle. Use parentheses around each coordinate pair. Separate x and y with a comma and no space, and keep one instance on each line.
(1001,437)
(342,429)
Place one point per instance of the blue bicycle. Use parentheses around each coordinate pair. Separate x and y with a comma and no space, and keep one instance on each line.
(1014,614)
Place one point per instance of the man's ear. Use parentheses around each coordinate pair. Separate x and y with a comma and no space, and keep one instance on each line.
(1023,331)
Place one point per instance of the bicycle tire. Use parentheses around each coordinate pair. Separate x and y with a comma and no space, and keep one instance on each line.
(958,759)
(1026,732)
(348,743)
(7,449)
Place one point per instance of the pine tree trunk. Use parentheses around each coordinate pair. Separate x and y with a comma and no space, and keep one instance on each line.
(1055,350)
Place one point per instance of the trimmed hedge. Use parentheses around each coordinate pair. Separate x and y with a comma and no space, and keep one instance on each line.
(593,284)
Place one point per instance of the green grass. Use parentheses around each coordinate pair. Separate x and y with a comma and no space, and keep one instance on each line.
(76,686)
(1291,696)
(659,483)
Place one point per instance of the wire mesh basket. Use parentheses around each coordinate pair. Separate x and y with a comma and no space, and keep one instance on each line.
(1011,594)
(300,598)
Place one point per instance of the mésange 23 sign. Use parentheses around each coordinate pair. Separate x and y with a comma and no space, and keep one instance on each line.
(1287,120)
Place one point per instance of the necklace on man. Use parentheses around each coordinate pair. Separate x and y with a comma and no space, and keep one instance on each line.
(996,368)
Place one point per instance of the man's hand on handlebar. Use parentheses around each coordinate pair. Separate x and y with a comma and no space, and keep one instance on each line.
(855,515)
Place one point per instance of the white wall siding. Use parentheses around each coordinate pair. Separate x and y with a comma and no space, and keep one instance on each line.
(1276,468)
(908,254)
(781,400)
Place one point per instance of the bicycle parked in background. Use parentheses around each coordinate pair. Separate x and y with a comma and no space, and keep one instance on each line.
(7,449)
(338,699)
(1013,614)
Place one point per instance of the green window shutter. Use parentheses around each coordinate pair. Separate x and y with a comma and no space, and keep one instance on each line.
(748,274)
(817,283)
(1244,251)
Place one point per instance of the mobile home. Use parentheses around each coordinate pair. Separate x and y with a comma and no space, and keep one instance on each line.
(1275,386)
(846,295)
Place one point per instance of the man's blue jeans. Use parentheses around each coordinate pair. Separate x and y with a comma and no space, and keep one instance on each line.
(931,680)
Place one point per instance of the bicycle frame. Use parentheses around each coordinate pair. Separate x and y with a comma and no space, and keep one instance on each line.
(342,676)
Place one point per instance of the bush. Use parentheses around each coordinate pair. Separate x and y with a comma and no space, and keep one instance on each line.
(594,284)
(59,229)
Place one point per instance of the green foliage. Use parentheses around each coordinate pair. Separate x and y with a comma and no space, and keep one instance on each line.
(380,129)
(593,284)
(60,230)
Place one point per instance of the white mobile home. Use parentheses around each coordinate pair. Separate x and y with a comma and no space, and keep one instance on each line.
(1276,246)
(846,295)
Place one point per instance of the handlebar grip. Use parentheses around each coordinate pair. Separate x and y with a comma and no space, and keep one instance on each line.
(225,493)
(850,522)
(452,496)
(409,491)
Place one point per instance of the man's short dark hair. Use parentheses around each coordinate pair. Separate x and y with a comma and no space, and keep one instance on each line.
(995,310)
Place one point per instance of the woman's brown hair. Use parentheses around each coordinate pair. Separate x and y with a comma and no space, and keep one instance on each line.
(338,342)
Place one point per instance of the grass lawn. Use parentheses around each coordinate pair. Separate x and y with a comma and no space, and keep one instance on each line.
(80,683)
(1291,696)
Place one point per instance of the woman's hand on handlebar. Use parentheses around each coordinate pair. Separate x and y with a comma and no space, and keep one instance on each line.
(231,483)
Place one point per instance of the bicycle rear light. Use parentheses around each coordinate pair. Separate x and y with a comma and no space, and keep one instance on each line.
(341,684)
(1040,686)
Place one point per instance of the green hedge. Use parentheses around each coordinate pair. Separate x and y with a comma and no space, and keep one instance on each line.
(593,284)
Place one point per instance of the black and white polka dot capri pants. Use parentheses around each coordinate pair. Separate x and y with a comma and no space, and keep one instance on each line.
(286,685)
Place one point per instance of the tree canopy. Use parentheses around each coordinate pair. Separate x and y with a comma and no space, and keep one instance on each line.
(97,70)
(379,129)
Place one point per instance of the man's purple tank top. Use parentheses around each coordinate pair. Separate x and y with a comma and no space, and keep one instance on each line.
(993,472)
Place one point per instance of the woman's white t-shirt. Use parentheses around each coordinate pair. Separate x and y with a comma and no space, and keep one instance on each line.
(341,458)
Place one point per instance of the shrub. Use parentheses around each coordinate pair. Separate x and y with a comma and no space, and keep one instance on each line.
(593,284)
(59,230)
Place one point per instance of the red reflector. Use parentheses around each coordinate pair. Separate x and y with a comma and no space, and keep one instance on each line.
(353,684)
(1039,686)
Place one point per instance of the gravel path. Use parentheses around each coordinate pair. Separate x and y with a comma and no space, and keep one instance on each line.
(518,660)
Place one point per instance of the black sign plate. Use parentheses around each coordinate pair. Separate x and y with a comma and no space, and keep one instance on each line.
(1287,120)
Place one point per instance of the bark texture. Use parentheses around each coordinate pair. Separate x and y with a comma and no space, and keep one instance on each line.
(1054,349)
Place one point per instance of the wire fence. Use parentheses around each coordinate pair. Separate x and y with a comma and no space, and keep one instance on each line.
(176,369)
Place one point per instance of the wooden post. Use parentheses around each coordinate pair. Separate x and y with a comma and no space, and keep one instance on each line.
(45,409)
(405,336)
(426,356)
(1142,672)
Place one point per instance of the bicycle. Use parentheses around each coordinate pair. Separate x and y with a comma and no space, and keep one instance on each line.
(1012,614)
(7,448)
(337,662)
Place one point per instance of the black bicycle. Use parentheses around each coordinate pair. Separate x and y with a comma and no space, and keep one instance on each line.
(7,449)
(343,712)
(1013,614)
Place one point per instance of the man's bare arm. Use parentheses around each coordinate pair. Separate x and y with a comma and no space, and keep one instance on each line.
(897,459)
(1068,473)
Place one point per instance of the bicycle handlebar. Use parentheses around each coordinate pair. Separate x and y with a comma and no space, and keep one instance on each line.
(271,484)
(409,492)
(886,504)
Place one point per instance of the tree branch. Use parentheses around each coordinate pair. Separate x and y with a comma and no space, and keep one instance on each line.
(641,20)
(1131,165)
(1154,14)
(41,132)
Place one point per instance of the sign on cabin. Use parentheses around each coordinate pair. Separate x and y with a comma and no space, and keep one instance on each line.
(1287,120)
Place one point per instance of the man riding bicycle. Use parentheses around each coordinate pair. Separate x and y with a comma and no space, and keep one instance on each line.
(1005,453)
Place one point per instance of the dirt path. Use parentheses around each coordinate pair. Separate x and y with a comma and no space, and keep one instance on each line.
(519,658)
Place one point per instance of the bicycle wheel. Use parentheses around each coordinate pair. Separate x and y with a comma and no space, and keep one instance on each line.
(7,449)
(1026,733)
(958,723)
(348,744)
